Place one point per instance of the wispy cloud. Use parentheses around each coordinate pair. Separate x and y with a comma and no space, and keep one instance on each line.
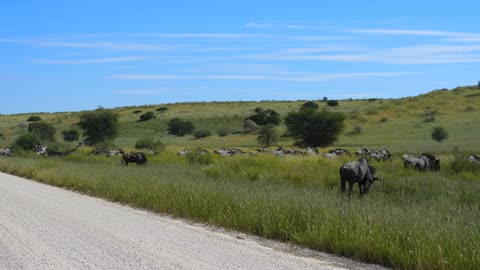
(411,32)
(302,78)
(107,45)
(88,61)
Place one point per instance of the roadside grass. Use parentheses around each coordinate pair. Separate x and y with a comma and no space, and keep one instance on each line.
(410,220)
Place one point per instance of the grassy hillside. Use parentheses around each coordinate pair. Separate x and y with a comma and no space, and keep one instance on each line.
(398,124)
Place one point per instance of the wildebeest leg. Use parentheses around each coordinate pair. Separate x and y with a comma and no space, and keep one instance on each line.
(343,183)
(350,188)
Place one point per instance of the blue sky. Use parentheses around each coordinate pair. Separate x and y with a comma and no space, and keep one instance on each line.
(78,55)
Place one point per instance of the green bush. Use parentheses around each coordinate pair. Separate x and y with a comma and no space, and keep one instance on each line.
(199,156)
(223,131)
(43,131)
(309,105)
(149,143)
(137,111)
(147,116)
(202,133)
(265,117)
(26,141)
(439,134)
(70,135)
(34,118)
(267,136)
(180,127)
(161,109)
(332,103)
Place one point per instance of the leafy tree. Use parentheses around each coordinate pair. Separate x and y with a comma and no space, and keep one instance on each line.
(249,126)
(265,117)
(309,105)
(34,118)
(267,136)
(147,116)
(99,126)
(26,141)
(315,128)
(180,127)
(202,133)
(325,99)
(43,131)
(70,135)
(439,134)
(161,109)
(332,102)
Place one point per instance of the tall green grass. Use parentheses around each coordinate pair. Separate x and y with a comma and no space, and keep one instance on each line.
(410,220)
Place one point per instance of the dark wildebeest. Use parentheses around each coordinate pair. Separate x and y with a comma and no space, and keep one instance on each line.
(137,157)
(382,154)
(474,158)
(424,162)
(357,172)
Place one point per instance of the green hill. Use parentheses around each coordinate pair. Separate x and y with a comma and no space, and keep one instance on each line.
(402,125)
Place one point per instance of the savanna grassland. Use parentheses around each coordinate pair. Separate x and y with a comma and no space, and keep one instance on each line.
(409,220)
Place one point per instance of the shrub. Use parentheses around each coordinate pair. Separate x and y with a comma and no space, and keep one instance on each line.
(161,109)
(70,135)
(314,128)
(384,119)
(249,126)
(99,126)
(149,143)
(309,105)
(357,129)
(332,103)
(147,116)
(43,131)
(429,119)
(202,133)
(199,156)
(26,141)
(223,131)
(267,136)
(265,117)
(180,127)
(439,134)
(34,118)
(137,111)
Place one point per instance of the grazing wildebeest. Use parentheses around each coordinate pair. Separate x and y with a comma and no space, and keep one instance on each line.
(137,157)
(115,152)
(474,158)
(382,154)
(422,163)
(184,152)
(279,152)
(363,152)
(357,172)
(6,152)
(339,152)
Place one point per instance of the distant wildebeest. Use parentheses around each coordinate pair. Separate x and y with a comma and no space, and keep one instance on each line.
(115,152)
(339,152)
(382,154)
(184,152)
(44,150)
(357,172)
(134,157)
(363,152)
(474,158)
(422,163)
(279,152)
(6,152)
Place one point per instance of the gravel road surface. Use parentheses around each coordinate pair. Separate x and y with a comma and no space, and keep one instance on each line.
(44,227)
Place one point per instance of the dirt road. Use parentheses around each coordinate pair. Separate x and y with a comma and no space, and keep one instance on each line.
(44,227)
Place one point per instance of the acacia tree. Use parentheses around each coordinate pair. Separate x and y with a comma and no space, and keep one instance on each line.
(99,126)
(265,117)
(43,131)
(439,134)
(267,136)
(315,128)
(179,127)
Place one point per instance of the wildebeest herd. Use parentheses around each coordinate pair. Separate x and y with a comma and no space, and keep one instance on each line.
(353,172)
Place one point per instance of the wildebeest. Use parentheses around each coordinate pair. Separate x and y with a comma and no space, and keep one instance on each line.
(363,152)
(6,152)
(339,152)
(357,172)
(382,154)
(115,152)
(184,152)
(423,162)
(474,158)
(137,157)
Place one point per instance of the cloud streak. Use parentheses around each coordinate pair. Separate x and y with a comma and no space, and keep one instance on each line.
(88,61)
(302,78)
